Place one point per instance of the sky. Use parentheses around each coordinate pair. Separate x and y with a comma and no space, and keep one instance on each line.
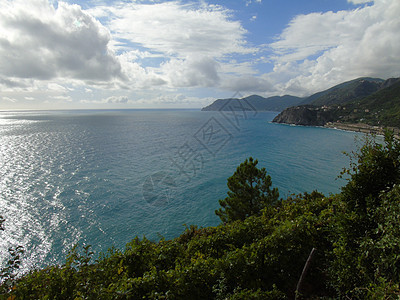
(104,54)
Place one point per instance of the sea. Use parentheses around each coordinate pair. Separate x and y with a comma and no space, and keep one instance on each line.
(103,177)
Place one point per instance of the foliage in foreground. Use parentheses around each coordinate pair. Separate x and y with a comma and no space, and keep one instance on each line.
(356,234)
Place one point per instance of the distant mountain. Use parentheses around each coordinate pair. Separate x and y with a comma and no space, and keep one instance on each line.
(276,103)
(380,105)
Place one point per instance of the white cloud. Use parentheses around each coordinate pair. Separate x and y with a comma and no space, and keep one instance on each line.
(138,76)
(38,41)
(63,98)
(49,48)
(150,100)
(359,1)
(62,52)
(172,44)
(117,99)
(176,29)
(321,49)
(10,99)
(52,86)
(108,100)
(190,41)
(190,72)
(248,2)
(177,100)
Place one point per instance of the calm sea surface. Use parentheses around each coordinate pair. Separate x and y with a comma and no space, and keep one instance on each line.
(104,177)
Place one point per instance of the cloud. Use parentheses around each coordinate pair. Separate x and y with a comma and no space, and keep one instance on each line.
(191,72)
(359,1)
(161,46)
(62,51)
(109,100)
(150,100)
(117,99)
(183,43)
(177,100)
(173,44)
(63,98)
(247,83)
(38,41)
(248,2)
(175,29)
(138,76)
(321,49)
(9,83)
(10,99)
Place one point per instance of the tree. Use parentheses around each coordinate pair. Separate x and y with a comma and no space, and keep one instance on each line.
(374,169)
(250,192)
(365,254)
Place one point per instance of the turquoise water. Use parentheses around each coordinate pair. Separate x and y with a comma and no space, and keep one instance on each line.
(104,177)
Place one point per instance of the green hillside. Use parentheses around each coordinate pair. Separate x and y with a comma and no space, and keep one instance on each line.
(345,92)
(381,108)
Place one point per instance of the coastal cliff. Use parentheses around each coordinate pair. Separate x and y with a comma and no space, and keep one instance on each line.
(304,115)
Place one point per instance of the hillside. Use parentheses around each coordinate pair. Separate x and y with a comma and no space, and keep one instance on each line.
(346,92)
(347,105)
(276,103)
(381,108)
(340,94)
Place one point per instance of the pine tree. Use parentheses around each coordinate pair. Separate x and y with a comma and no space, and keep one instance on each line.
(249,192)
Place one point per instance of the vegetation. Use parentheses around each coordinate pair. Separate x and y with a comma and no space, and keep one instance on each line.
(250,192)
(259,254)
(346,92)
(381,108)
(365,100)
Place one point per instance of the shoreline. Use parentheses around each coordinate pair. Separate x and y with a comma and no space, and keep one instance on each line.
(363,128)
(353,127)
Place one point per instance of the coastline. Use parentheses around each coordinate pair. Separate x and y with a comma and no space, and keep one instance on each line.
(361,127)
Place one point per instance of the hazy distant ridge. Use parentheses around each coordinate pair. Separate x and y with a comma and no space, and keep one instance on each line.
(275,103)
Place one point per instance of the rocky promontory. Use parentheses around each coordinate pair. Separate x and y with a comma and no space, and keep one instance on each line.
(305,115)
